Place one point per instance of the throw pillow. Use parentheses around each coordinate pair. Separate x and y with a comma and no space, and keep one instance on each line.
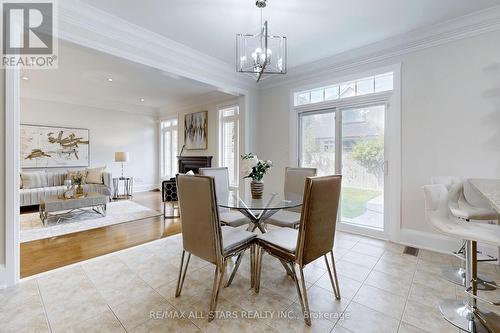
(34,179)
(94,175)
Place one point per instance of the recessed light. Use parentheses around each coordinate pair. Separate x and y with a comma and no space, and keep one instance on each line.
(110,79)
(142,99)
(25,78)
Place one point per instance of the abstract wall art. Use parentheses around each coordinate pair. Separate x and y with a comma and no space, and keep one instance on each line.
(196,130)
(48,147)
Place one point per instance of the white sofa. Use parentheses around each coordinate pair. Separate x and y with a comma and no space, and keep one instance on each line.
(55,186)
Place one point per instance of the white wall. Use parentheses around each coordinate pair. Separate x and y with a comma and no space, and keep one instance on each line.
(109,131)
(213,126)
(450,118)
(2,173)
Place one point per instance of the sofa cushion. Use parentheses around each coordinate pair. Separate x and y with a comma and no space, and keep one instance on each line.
(34,179)
(94,175)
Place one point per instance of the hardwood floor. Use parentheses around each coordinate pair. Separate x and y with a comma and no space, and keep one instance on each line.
(46,254)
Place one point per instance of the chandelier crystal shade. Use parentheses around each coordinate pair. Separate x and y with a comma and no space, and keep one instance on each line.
(261,53)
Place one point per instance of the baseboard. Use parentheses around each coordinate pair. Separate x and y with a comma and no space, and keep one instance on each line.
(439,243)
(145,188)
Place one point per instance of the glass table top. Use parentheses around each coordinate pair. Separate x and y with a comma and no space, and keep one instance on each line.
(270,200)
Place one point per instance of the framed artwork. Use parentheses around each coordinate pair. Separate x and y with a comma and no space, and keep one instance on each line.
(196,130)
(54,147)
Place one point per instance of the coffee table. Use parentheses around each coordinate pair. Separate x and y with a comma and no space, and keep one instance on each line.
(93,203)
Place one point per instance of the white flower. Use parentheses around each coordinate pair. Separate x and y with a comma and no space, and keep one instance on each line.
(247,165)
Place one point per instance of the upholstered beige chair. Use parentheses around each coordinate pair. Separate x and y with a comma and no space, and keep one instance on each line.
(227,216)
(312,240)
(202,234)
(294,185)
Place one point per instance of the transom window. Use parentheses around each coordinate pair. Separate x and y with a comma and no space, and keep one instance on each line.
(368,85)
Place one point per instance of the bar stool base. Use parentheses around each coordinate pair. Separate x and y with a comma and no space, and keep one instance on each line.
(457,276)
(457,313)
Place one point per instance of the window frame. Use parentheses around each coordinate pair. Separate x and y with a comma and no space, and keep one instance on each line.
(173,148)
(235,118)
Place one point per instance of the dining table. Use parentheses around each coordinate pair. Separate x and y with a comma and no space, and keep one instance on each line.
(258,210)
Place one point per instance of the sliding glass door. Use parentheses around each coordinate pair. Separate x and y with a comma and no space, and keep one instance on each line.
(349,141)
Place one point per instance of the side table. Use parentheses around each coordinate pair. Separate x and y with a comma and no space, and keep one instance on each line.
(128,187)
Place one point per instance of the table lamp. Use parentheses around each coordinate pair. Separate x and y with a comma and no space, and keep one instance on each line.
(121,156)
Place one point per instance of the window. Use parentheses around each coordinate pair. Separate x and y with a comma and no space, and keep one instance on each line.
(169,147)
(363,86)
(229,143)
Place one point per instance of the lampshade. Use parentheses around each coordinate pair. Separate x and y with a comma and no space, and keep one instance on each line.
(121,156)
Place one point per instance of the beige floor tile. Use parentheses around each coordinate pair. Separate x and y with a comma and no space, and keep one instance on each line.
(30,317)
(360,259)
(266,300)
(324,302)
(279,282)
(361,319)
(348,286)
(370,250)
(156,272)
(426,318)
(353,271)
(399,258)
(292,320)
(430,294)
(228,318)
(170,320)
(106,322)
(192,292)
(64,278)
(312,273)
(395,269)
(124,289)
(399,285)
(16,296)
(136,311)
(340,329)
(382,301)
(407,328)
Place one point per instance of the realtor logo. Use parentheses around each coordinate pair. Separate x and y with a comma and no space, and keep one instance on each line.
(28,37)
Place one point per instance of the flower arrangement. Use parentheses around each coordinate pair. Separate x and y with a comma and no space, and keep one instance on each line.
(254,168)
(77,179)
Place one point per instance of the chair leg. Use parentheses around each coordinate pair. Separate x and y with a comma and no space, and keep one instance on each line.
(252,266)
(304,301)
(258,269)
(235,269)
(305,312)
(333,278)
(182,274)
(218,278)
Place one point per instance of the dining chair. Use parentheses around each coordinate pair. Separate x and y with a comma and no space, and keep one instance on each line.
(294,185)
(202,234)
(228,217)
(313,239)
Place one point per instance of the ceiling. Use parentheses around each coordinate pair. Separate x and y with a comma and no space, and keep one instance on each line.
(82,78)
(315,29)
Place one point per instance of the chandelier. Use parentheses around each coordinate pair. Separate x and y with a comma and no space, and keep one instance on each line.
(260,53)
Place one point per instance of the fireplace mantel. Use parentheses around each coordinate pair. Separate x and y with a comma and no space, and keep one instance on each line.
(194,163)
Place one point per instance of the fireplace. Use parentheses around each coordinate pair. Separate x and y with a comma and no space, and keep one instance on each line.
(194,163)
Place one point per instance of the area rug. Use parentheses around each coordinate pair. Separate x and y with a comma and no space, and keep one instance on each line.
(117,212)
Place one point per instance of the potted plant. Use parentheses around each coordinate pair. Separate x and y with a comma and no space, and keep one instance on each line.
(77,180)
(252,167)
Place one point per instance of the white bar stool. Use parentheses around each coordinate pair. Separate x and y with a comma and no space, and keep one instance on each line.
(461,208)
(463,314)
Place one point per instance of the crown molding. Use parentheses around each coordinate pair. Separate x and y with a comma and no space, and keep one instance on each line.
(83,24)
(200,101)
(92,103)
(473,24)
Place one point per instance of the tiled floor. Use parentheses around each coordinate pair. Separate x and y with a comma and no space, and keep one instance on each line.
(382,290)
